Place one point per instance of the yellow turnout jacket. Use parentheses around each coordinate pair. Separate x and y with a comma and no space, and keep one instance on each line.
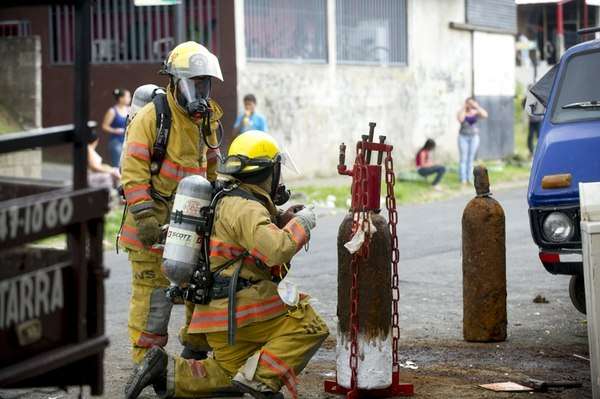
(246,227)
(186,155)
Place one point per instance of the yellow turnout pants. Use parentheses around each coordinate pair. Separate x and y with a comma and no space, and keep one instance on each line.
(150,310)
(270,353)
(195,342)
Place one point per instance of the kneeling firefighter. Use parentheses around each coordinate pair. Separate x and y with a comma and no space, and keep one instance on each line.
(173,136)
(261,336)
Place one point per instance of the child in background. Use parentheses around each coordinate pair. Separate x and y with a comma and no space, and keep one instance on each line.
(250,119)
(425,166)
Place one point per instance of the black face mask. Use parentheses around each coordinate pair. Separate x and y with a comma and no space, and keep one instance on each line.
(281,196)
(279,193)
(193,95)
(197,109)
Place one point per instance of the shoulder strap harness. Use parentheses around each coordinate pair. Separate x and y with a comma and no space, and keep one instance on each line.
(163,126)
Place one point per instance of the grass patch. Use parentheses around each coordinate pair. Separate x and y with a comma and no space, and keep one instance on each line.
(112,223)
(8,123)
(521,124)
(418,191)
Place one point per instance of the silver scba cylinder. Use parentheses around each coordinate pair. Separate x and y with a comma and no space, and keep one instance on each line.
(183,243)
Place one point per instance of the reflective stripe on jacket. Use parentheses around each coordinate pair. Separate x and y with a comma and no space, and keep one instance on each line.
(186,155)
(245,226)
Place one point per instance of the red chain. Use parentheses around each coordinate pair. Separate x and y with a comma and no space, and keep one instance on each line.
(390,203)
(359,220)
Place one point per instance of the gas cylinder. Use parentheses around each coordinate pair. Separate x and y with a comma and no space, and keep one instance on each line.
(484,265)
(183,244)
(374,308)
(142,96)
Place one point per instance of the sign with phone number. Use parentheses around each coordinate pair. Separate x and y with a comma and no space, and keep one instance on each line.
(35,218)
(30,219)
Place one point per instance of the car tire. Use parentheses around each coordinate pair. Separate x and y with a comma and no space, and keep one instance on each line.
(577,292)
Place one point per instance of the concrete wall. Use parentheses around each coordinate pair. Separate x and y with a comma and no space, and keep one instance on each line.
(313,108)
(21,83)
(21,88)
(494,88)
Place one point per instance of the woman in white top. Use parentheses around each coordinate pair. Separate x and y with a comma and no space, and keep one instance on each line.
(100,174)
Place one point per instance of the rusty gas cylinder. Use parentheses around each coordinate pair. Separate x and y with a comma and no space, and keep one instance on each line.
(484,265)
(374,308)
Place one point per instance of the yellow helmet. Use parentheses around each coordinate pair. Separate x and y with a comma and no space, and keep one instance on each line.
(191,59)
(251,152)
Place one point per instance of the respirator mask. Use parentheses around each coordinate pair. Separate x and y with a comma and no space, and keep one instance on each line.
(193,95)
(280,194)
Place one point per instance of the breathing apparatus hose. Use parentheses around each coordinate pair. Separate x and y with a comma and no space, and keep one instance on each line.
(206,132)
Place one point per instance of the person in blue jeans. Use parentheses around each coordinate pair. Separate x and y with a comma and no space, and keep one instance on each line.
(114,123)
(468,136)
(250,119)
(425,167)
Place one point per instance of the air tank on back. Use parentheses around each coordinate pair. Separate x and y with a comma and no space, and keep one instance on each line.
(183,244)
(142,96)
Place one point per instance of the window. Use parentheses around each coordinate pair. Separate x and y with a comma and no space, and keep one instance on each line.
(498,14)
(15,28)
(579,84)
(286,30)
(372,32)
(124,33)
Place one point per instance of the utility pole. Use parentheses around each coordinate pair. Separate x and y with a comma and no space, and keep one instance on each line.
(180,22)
(560,31)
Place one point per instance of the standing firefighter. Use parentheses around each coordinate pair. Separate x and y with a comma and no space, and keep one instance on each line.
(259,342)
(172,137)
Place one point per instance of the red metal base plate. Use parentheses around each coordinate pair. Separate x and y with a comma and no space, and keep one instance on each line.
(396,389)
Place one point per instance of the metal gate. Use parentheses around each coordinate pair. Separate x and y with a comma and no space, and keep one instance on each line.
(52,301)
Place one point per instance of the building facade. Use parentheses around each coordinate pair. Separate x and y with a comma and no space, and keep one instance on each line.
(129,44)
(320,69)
(323,69)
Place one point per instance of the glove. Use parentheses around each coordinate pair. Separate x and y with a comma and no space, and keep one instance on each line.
(286,216)
(148,227)
(307,218)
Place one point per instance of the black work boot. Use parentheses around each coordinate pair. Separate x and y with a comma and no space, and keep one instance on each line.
(151,371)
(188,353)
(256,394)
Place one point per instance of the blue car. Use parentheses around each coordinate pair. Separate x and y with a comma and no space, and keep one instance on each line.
(568,152)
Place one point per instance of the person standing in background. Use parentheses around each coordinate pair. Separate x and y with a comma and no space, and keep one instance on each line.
(468,137)
(250,119)
(533,132)
(114,123)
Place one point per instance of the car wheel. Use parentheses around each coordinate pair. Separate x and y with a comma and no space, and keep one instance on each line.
(577,292)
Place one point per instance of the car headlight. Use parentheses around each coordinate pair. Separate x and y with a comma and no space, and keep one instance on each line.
(558,227)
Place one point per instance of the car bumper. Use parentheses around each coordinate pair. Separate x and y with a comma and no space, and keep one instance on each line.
(570,263)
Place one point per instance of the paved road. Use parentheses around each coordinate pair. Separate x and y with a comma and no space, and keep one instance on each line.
(431,296)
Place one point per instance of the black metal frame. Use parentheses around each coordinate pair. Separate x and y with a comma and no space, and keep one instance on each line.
(80,362)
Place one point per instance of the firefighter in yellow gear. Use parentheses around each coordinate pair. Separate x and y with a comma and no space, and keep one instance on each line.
(261,339)
(149,184)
